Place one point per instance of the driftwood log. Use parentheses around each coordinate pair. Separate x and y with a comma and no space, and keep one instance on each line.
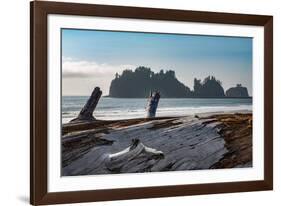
(152,104)
(86,114)
(157,144)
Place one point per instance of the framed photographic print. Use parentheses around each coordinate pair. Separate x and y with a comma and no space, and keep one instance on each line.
(131,102)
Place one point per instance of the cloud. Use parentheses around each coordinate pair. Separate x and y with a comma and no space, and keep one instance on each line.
(81,68)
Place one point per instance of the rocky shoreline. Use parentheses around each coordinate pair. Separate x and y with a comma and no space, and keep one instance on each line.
(213,141)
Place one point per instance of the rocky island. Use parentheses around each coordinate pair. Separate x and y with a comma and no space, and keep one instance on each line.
(138,83)
(237,92)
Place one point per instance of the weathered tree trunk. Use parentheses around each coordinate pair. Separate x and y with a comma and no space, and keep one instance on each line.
(152,104)
(159,144)
(86,114)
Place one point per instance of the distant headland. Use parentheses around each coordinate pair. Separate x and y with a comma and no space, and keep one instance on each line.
(139,83)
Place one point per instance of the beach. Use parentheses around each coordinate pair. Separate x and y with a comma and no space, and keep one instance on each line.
(131,108)
(173,143)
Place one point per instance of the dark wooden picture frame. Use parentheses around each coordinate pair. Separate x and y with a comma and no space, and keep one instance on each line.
(38,102)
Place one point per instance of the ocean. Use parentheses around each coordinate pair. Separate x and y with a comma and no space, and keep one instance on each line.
(123,108)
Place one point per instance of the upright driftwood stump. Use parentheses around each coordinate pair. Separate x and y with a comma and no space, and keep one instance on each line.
(86,113)
(152,104)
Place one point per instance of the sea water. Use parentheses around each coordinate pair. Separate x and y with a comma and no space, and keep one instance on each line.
(129,108)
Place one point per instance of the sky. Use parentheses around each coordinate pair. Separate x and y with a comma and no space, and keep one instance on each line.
(91,58)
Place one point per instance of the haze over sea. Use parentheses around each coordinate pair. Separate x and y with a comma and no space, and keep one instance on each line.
(129,108)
